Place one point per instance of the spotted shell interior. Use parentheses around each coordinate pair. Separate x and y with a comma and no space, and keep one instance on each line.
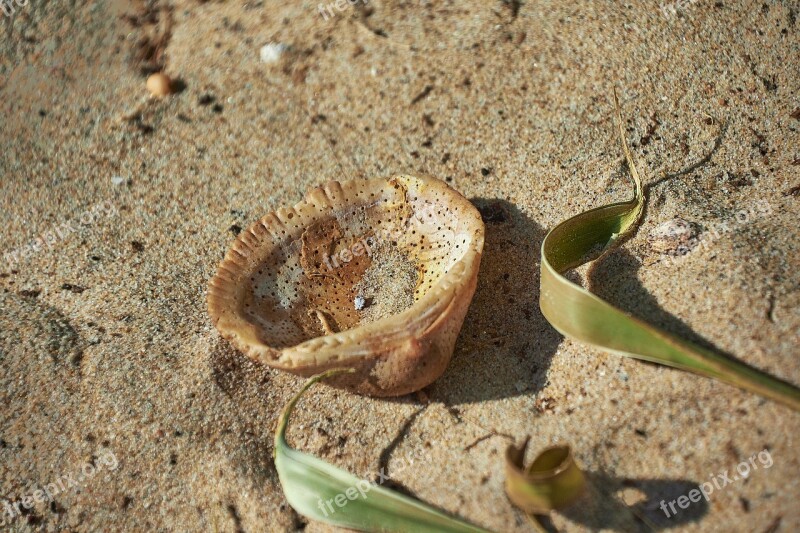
(349,255)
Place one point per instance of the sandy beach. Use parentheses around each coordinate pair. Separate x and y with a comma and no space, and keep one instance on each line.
(124,410)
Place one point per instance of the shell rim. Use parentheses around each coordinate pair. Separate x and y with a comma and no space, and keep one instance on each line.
(362,341)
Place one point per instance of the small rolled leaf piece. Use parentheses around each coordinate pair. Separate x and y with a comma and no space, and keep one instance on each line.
(310,483)
(577,313)
(552,481)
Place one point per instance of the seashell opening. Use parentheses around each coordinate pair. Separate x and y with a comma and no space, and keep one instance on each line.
(375,275)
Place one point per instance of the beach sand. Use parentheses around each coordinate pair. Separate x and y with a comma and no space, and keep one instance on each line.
(117,208)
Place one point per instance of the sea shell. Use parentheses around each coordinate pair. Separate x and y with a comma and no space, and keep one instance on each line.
(374,275)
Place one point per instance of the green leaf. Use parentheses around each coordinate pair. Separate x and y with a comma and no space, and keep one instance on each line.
(328,494)
(577,313)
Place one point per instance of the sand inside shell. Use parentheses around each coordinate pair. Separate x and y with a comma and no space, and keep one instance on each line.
(378,283)
(388,285)
(364,261)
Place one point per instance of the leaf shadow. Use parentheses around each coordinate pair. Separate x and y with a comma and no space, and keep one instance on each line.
(506,345)
(614,279)
(600,507)
(386,455)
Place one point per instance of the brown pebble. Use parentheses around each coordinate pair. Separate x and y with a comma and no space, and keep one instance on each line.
(159,84)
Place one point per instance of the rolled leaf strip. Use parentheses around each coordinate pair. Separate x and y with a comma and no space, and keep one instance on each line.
(552,481)
(577,313)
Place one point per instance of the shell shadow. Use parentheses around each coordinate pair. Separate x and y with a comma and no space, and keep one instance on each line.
(506,345)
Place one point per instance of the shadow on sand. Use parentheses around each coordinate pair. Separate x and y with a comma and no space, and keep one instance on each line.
(506,345)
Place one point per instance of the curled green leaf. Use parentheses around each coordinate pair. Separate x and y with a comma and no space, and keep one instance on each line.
(552,481)
(329,494)
(579,314)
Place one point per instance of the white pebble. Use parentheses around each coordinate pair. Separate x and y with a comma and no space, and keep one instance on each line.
(117,180)
(359,302)
(272,52)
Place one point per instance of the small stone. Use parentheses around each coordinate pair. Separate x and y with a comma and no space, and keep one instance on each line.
(159,84)
(77,289)
(272,52)
(30,293)
(206,99)
(117,180)
(360,302)
(492,211)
